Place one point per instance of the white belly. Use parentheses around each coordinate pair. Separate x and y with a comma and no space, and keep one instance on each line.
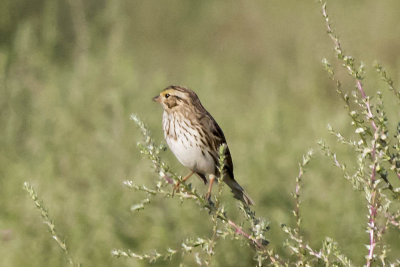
(186,149)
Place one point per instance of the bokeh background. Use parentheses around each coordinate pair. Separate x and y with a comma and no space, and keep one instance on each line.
(73,71)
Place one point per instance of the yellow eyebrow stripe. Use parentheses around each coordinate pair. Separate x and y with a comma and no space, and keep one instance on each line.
(169,91)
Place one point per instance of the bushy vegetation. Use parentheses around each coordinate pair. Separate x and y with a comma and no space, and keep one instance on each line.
(74,71)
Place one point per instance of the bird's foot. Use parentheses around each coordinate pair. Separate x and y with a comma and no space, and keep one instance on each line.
(208,198)
(210,202)
(176,188)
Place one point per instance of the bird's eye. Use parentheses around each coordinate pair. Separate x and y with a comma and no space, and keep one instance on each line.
(167,95)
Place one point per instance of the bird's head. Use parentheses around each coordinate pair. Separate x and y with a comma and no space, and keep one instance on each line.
(176,97)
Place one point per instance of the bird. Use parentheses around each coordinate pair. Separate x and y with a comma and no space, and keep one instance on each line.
(194,137)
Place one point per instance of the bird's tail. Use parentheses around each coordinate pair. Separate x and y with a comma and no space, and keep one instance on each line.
(238,191)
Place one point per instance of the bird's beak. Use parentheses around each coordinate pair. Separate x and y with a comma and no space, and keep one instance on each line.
(156,99)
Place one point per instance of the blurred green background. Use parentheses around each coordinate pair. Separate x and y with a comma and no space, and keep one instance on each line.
(73,71)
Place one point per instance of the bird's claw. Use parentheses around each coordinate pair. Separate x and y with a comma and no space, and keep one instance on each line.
(208,198)
(210,202)
(176,188)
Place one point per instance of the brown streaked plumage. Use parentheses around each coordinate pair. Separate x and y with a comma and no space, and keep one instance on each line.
(195,137)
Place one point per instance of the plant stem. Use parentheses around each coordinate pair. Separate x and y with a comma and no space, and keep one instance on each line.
(372,206)
(370,116)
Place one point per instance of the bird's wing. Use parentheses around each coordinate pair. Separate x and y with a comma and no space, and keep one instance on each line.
(215,141)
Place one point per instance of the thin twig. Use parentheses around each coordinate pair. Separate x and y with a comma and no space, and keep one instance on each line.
(47,221)
(373,207)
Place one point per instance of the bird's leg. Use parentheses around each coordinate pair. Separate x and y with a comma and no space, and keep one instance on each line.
(212,178)
(176,187)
